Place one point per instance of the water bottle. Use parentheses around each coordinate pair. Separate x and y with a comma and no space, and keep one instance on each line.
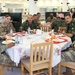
(29,30)
(21,39)
(11,31)
(16,39)
(52,31)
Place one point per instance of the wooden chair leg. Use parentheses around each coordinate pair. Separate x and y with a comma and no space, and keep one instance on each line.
(31,73)
(22,70)
(50,71)
(59,69)
(74,73)
(1,70)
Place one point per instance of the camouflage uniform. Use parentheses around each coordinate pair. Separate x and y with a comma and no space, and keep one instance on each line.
(50,20)
(68,56)
(2,56)
(26,24)
(5,29)
(71,29)
(57,23)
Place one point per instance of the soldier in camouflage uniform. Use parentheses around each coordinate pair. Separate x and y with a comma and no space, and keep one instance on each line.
(69,55)
(51,18)
(5,29)
(38,16)
(70,24)
(29,23)
(58,23)
(6,25)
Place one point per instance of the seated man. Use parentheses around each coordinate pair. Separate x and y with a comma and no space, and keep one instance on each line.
(38,17)
(5,29)
(29,23)
(6,26)
(69,55)
(35,17)
(51,18)
(70,24)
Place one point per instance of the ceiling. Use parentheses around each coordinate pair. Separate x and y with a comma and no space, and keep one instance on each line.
(41,2)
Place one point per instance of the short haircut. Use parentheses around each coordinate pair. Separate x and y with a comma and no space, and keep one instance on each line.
(29,15)
(7,15)
(38,13)
(68,14)
(51,14)
(35,15)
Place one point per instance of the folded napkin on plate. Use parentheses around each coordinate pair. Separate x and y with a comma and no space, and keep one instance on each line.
(63,39)
(56,42)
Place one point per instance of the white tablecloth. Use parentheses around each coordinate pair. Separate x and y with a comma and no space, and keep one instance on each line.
(20,50)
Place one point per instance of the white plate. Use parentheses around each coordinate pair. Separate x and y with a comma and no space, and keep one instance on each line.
(7,42)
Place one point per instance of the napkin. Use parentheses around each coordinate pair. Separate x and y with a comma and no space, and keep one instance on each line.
(55,42)
(63,39)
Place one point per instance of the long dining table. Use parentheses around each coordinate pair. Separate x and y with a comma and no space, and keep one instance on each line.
(21,49)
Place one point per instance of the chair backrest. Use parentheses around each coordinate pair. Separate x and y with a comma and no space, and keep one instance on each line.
(41,53)
(45,28)
(62,29)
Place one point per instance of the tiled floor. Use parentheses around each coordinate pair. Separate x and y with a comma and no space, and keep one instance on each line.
(16,71)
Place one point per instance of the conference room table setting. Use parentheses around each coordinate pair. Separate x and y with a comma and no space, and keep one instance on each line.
(23,42)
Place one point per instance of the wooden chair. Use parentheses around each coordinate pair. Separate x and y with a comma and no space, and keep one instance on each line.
(45,28)
(37,61)
(62,29)
(1,70)
(70,65)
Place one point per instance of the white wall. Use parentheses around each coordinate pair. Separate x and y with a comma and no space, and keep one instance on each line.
(23,6)
(40,4)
